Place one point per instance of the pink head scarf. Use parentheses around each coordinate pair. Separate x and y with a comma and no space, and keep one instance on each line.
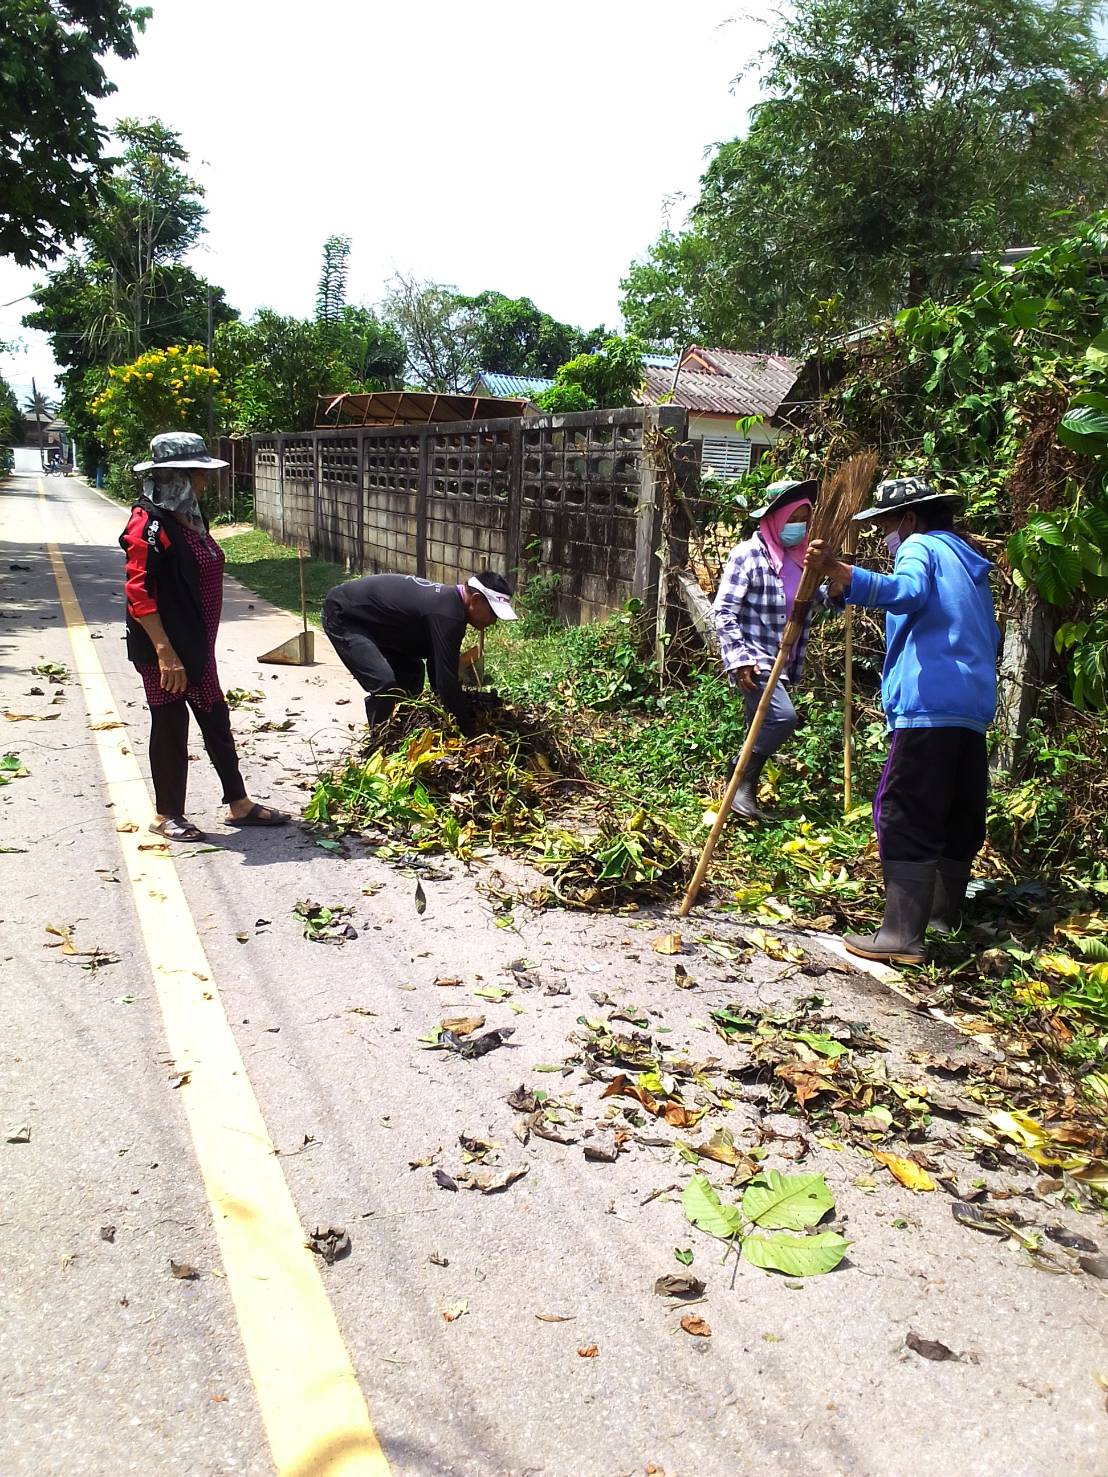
(789,563)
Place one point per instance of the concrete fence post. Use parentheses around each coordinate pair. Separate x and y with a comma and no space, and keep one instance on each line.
(423,480)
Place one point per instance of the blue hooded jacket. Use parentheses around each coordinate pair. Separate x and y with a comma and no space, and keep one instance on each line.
(940,632)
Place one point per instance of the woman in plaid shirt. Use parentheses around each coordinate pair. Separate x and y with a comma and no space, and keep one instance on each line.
(752,605)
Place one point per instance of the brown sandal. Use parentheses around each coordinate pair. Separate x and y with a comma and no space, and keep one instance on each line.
(259,815)
(177,828)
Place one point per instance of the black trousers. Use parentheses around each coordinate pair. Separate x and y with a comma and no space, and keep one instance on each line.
(169,753)
(932,797)
(385,675)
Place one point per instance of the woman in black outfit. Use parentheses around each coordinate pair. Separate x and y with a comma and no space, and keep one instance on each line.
(174,598)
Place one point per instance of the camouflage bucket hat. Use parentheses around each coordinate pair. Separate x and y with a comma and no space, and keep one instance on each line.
(179,449)
(898,494)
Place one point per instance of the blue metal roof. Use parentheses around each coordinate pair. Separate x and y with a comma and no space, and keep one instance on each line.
(659,361)
(509,386)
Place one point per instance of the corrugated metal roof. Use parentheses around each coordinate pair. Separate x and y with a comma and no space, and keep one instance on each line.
(752,384)
(507,385)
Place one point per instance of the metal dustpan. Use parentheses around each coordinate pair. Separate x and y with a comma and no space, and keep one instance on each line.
(298,650)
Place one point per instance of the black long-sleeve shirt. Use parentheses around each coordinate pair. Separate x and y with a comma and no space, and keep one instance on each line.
(411,617)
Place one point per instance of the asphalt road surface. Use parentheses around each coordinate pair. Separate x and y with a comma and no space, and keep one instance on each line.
(188,1083)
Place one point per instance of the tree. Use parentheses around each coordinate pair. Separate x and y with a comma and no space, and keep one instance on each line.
(51,145)
(607,380)
(12,425)
(372,351)
(896,139)
(439,333)
(162,390)
(127,290)
(512,336)
(330,297)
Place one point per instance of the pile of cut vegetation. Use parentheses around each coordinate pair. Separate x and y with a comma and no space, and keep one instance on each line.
(516,786)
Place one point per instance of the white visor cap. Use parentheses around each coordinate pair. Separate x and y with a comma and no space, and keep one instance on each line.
(501,605)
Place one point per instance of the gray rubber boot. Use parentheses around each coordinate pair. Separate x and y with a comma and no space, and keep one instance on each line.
(745,803)
(909,891)
(951,882)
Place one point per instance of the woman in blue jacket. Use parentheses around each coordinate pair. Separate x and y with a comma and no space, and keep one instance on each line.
(938,689)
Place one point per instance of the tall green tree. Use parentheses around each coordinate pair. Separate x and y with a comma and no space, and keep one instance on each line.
(897,136)
(127,289)
(51,145)
(607,379)
(330,297)
(512,336)
(12,426)
(438,332)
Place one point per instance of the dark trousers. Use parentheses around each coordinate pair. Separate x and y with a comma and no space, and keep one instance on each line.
(169,753)
(931,801)
(385,675)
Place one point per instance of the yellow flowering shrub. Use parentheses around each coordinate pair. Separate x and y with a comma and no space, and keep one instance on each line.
(162,390)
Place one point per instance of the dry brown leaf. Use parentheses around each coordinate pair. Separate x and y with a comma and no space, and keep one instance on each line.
(669,943)
(455,1311)
(905,1170)
(696,1326)
(462,1025)
(678,1116)
(126,826)
(104,725)
(29,717)
(622,1086)
(556,1317)
(183,1270)
(588,1351)
(452,982)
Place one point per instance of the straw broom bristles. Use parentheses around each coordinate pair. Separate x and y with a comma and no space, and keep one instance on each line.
(840,497)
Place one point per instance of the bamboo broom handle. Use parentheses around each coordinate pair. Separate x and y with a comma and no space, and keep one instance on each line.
(848,714)
(848,692)
(785,651)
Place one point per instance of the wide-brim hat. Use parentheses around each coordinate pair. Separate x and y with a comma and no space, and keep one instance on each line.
(898,494)
(501,605)
(179,449)
(787,491)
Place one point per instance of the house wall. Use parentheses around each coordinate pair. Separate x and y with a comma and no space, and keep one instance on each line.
(571,496)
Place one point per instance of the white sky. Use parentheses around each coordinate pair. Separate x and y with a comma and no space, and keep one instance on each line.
(492,146)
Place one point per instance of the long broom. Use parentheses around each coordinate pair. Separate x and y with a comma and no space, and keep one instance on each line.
(841,496)
(848,690)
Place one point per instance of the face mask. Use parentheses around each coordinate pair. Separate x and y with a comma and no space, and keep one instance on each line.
(893,541)
(793,534)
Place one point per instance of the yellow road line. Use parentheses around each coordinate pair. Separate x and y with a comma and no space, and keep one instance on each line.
(314,1412)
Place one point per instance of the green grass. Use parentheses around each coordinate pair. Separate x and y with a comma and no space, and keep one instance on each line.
(269,569)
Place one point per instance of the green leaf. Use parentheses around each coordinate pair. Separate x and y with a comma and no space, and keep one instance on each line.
(825,1045)
(705,1209)
(684,1255)
(787,1201)
(1084,429)
(493,992)
(796,1256)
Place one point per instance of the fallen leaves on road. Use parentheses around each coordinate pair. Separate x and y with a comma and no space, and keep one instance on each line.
(454,1311)
(105,725)
(696,1326)
(420,899)
(929,1348)
(588,1351)
(669,943)
(677,1285)
(30,717)
(556,1317)
(907,1171)
(330,1242)
(184,1271)
(323,924)
(18,1133)
(94,958)
(12,768)
(462,1025)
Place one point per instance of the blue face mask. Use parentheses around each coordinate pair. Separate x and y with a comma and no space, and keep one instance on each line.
(793,534)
